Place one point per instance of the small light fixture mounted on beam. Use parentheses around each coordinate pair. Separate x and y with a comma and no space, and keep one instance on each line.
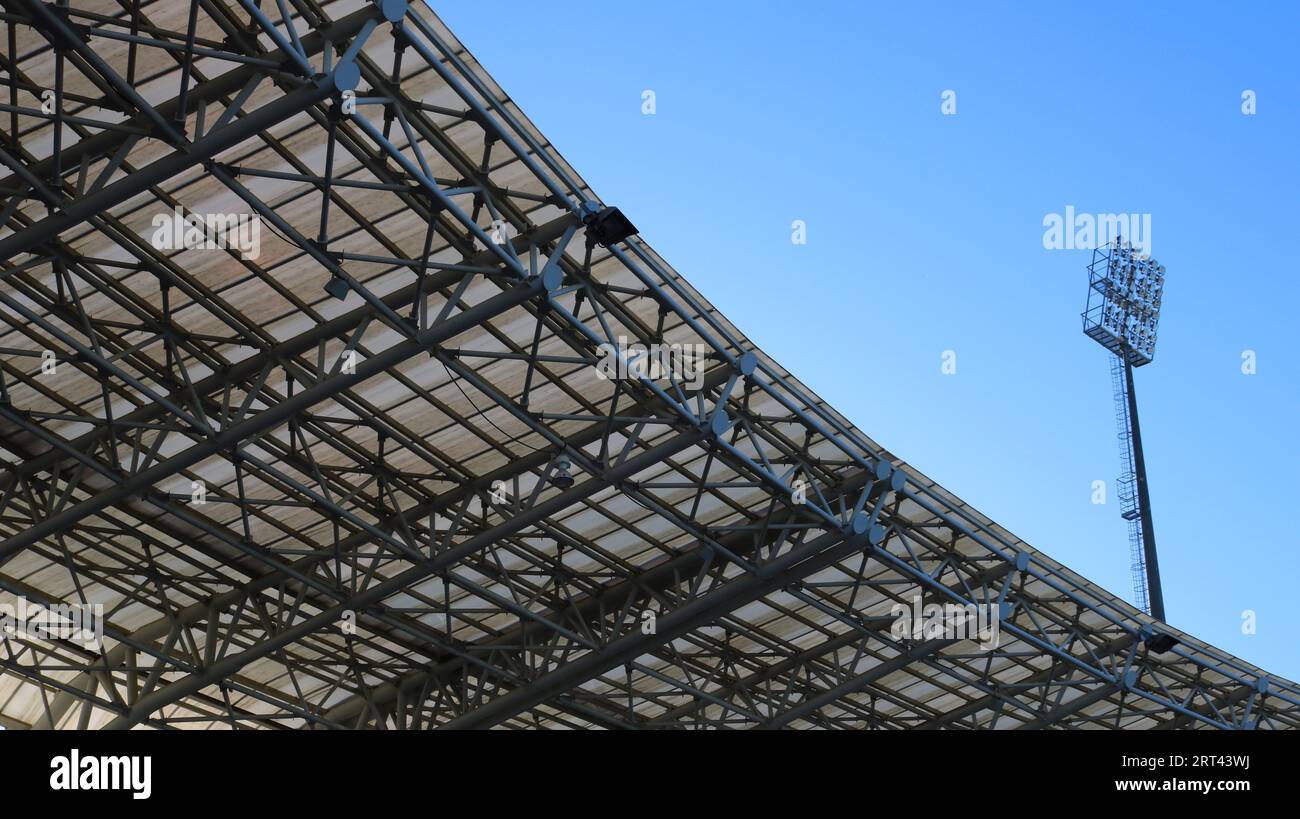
(1161,643)
(562,475)
(1158,641)
(337,287)
(605,226)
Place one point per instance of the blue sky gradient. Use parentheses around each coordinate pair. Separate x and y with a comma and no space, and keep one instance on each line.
(925,234)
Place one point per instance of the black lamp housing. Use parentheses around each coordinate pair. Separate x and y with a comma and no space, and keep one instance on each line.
(608,226)
(337,287)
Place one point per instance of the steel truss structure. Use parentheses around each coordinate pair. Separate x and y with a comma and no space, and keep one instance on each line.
(423,505)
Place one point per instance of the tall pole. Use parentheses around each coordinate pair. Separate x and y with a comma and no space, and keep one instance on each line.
(1155,596)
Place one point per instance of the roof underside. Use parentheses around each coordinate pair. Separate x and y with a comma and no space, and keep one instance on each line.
(383,539)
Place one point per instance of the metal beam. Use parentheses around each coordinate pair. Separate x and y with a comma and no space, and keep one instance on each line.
(106,142)
(1100,692)
(78,210)
(859,634)
(1045,676)
(529,462)
(410,577)
(859,682)
(614,597)
(277,414)
(794,565)
(306,341)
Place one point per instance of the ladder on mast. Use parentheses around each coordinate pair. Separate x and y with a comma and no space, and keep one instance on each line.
(1126,486)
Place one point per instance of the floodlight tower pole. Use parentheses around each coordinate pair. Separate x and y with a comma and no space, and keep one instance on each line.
(1121,314)
(1154,594)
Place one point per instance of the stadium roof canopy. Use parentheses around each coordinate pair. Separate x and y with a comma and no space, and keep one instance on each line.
(423,504)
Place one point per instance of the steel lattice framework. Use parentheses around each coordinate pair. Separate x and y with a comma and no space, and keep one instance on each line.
(385,539)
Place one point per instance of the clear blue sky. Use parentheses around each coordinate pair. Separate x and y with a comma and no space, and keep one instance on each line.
(925,234)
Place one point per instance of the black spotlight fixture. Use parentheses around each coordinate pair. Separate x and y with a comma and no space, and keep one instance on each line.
(606,226)
(561,475)
(337,287)
(1160,643)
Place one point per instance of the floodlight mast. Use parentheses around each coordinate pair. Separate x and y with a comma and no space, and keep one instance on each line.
(1155,595)
(1122,312)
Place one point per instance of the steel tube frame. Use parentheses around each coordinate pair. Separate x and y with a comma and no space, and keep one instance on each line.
(547,691)
(794,565)
(275,415)
(228,665)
